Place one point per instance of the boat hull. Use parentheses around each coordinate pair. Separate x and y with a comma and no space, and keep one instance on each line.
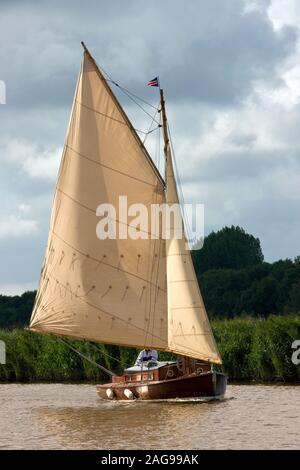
(208,385)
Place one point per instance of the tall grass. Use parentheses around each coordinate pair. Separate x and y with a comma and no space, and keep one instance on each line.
(252,349)
(259,349)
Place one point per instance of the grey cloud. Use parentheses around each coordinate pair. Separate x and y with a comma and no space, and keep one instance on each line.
(243,163)
(209,56)
(242,139)
(211,53)
(260,208)
(222,66)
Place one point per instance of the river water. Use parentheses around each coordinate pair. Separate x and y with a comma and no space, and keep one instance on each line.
(56,416)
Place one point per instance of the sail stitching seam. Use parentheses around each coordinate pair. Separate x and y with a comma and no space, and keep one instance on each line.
(67,288)
(107,264)
(130,126)
(110,218)
(109,167)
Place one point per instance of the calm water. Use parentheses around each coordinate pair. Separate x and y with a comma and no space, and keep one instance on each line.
(72,416)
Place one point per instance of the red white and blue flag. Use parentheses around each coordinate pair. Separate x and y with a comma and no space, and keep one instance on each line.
(153,82)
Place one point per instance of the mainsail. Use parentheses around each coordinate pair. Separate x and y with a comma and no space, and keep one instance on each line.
(141,293)
(111,290)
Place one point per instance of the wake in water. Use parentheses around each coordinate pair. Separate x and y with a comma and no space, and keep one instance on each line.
(199,400)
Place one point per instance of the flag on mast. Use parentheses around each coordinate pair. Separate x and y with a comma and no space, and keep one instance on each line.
(153,82)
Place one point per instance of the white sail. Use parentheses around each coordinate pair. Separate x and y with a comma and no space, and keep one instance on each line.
(111,290)
(141,293)
(189,331)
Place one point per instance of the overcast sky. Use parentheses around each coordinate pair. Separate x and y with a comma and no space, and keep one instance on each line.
(231,73)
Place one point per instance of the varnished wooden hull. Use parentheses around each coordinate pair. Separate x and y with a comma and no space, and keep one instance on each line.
(208,385)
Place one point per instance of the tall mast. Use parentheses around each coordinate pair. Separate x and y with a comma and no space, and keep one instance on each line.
(189,331)
(165,129)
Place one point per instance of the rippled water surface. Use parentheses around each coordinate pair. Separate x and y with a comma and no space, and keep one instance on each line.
(73,417)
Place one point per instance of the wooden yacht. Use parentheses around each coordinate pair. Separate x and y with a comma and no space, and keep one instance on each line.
(139,291)
(166,380)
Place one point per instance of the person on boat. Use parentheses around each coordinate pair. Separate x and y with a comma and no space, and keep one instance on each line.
(145,356)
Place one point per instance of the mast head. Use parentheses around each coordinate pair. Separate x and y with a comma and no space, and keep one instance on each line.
(84,46)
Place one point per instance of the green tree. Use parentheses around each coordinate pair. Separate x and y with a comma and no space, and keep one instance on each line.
(231,248)
(15,310)
(293,305)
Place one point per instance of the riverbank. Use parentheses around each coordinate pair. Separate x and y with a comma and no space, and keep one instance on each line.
(252,350)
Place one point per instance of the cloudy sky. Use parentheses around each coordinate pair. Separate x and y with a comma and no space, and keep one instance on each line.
(231,72)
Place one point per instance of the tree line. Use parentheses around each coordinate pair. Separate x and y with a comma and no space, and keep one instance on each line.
(234,278)
(251,348)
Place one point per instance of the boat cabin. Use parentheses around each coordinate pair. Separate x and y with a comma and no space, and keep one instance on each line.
(156,371)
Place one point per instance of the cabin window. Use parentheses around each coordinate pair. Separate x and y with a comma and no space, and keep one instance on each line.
(150,376)
(127,378)
(138,378)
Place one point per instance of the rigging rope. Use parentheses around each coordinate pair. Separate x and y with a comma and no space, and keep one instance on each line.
(129,94)
(151,130)
(133,97)
(113,119)
(136,102)
(104,352)
(125,89)
(85,357)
